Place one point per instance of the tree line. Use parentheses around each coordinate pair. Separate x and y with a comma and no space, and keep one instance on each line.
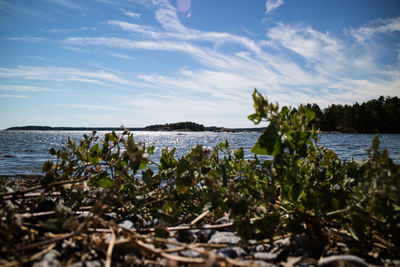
(184,126)
(380,115)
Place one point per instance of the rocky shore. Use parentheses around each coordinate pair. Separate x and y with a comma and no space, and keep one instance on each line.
(205,245)
(108,236)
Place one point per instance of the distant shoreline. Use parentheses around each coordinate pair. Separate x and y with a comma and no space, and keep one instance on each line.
(163,128)
(206,129)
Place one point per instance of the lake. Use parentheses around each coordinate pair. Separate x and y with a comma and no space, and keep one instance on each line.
(24,152)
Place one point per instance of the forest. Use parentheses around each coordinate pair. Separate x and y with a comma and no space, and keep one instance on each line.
(184,126)
(380,115)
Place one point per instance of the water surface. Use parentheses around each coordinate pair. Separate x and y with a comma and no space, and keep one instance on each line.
(24,152)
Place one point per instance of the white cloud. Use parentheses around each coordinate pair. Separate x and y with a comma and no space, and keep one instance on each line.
(92,107)
(146,30)
(271,5)
(24,88)
(119,55)
(379,26)
(167,16)
(33,40)
(61,74)
(67,4)
(294,64)
(133,15)
(306,41)
(14,96)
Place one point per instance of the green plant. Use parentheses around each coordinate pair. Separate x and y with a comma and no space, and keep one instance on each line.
(297,186)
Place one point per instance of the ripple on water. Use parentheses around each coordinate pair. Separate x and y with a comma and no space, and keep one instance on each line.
(24,152)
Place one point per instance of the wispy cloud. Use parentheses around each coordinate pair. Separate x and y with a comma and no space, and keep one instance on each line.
(142,29)
(271,5)
(326,65)
(66,30)
(61,74)
(122,56)
(133,15)
(34,40)
(67,3)
(14,96)
(305,41)
(379,26)
(91,107)
(24,88)
(292,64)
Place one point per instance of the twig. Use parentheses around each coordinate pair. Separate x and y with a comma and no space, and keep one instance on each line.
(201,216)
(73,181)
(37,214)
(45,213)
(29,195)
(48,241)
(32,258)
(110,248)
(188,227)
(182,259)
(337,211)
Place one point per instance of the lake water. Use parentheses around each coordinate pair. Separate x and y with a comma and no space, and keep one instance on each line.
(24,152)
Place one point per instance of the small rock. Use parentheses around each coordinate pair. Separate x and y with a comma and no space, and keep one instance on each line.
(204,235)
(49,260)
(137,220)
(88,264)
(258,263)
(190,254)
(224,238)
(171,246)
(186,236)
(223,220)
(342,260)
(265,256)
(111,216)
(285,242)
(81,217)
(300,241)
(127,224)
(153,223)
(232,252)
(263,248)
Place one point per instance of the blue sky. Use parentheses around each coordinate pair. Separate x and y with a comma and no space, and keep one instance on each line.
(141,62)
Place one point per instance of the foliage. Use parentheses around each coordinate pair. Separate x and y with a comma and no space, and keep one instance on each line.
(377,115)
(298,187)
(186,126)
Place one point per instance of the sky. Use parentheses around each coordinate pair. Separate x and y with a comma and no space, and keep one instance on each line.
(107,63)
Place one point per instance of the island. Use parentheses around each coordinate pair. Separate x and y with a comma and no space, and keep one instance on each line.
(172,127)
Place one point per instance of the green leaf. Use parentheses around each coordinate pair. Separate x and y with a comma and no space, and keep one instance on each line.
(239,153)
(150,149)
(309,114)
(161,232)
(267,224)
(255,118)
(285,110)
(297,190)
(105,147)
(183,165)
(375,143)
(53,152)
(168,207)
(268,143)
(148,177)
(103,181)
(47,166)
(95,154)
